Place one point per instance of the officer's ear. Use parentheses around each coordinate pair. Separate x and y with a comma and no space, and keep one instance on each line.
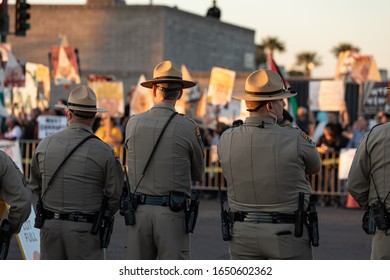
(67,114)
(154,89)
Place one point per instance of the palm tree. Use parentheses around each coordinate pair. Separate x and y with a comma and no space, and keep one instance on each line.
(260,55)
(309,60)
(342,47)
(268,45)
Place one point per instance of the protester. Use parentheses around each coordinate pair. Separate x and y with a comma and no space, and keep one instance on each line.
(265,166)
(360,129)
(110,133)
(75,175)
(14,131)
(303,120)
(160,189)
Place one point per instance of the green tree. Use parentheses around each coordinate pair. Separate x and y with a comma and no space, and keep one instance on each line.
(268,44)
(308,60)
(342,47)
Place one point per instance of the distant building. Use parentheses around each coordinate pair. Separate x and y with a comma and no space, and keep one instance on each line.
(129,40)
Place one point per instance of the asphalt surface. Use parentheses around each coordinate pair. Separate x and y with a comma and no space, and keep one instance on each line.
(341,235)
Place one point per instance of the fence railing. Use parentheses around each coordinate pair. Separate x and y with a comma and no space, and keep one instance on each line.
(324,183)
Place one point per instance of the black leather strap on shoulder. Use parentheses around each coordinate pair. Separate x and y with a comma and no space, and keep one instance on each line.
(55,174)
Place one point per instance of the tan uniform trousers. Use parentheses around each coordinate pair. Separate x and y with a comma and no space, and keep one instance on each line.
(69,240)
(266,241)
(380,246)
(158,233)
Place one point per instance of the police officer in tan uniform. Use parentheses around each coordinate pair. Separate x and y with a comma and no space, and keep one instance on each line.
(76,194)
(368,184)
(159,231)
(265,166)
(15,192)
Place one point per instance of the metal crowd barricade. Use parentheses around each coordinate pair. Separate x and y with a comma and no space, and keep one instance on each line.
(324,183)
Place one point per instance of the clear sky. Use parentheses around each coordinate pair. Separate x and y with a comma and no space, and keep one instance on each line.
(303,25)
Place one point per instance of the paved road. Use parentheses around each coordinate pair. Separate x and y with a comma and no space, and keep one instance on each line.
(341,236)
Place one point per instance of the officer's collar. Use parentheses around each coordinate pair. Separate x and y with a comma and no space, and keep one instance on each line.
(165,105)
(256,121)
(79,125)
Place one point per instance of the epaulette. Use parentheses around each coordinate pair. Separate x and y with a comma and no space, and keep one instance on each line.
(197,130)
(188,118)
(306,137)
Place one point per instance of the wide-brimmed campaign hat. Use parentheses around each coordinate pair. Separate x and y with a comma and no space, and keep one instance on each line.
(82,98)
(167,72)
(263,85)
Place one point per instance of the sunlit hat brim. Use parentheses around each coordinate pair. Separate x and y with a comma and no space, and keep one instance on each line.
(263,96)
(184,83)
(81,108)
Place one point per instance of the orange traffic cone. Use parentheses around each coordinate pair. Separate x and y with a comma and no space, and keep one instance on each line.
(351,203)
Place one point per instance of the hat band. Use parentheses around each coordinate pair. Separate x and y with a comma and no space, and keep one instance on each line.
(265,93)
(81,105)
(168,77)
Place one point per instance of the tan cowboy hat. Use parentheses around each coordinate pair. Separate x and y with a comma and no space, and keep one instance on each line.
(167,72)
(81,98)
(263,85)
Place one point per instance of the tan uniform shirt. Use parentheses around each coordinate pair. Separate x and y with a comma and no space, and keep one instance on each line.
(15,192)
(91,171)
(370,168)
(265,168)
(178,159)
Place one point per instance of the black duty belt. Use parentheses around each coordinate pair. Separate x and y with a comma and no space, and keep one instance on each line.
(161,200)
(74,216)
(262,217)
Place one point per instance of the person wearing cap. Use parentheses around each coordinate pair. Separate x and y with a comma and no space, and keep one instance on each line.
(265,166)
(368,184)
(72,194)
(160,187)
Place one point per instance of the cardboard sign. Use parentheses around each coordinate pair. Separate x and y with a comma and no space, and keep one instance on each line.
(48,125)
(345,162)
(326,95)
(221,85)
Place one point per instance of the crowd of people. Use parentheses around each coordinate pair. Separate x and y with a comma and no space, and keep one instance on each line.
(80,183)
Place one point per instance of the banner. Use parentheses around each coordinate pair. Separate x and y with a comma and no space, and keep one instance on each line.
(364,68)
(345,162)
(110,96)
(142,99)
(326,95)
(47,125)
(14,75)
(344,64)
(221,86)
(36,91)
(189,95)
(374,97)
(65,70)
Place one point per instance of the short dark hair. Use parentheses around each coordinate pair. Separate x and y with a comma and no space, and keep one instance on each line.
(83,114)
(169,91)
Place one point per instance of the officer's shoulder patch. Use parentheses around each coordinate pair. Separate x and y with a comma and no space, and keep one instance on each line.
(306,137)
